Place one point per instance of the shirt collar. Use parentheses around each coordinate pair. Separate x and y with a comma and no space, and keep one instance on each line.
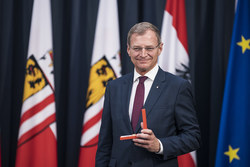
(151,74)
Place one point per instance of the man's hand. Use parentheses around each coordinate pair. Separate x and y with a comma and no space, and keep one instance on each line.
(146,139)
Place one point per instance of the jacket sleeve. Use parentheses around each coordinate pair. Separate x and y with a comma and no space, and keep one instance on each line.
(105,136)
(187,138)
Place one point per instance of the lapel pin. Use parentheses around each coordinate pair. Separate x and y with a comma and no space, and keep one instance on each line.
(157,87)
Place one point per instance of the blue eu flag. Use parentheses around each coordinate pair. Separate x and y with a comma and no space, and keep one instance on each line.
(233,149)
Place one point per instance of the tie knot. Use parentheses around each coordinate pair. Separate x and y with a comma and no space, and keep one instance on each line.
(142,79)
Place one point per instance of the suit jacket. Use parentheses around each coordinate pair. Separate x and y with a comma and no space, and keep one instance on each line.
(171,114)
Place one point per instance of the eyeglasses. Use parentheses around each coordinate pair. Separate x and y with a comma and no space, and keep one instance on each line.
(148,49)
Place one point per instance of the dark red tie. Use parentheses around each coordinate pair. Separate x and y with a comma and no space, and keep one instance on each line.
(138,102)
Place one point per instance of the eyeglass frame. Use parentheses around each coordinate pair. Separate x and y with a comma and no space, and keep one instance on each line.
(147,49)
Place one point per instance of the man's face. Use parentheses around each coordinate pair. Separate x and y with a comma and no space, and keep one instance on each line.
(144,51)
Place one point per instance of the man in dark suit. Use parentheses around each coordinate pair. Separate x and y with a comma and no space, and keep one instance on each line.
(171,117)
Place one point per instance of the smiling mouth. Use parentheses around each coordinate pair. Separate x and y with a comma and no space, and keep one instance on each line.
(143,60)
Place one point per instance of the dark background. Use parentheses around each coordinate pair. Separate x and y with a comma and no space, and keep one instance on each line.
(209,24)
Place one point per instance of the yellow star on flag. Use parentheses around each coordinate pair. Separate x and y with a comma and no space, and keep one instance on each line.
(232,153)
(245,44)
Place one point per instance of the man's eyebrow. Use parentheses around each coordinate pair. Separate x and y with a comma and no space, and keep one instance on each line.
(142,46)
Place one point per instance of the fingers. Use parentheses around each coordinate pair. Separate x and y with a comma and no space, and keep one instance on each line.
(144,136)
(146,146)
(149,143)
(145,143)
(141,141)
(147,131)
(142,125)
(146,139)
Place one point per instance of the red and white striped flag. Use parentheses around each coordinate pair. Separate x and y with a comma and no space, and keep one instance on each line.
(37,143)
(105,66)
(174,57)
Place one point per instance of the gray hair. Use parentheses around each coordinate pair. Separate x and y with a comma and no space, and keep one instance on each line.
(141,28)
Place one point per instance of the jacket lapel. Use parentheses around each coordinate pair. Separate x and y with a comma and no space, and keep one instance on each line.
(126,92)
(153,95)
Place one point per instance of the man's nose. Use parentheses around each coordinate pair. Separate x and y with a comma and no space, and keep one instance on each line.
(144,52)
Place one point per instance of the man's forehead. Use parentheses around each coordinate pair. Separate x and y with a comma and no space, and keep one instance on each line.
(148,38)
(147,32)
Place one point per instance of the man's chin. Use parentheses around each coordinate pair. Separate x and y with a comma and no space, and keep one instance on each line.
(143,69)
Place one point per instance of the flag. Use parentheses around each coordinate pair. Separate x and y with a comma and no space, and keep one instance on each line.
(233,141)
(37,144)
(174,57)
(105,66)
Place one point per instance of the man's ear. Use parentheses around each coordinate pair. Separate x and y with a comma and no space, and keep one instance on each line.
(128,49)
(161,47)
